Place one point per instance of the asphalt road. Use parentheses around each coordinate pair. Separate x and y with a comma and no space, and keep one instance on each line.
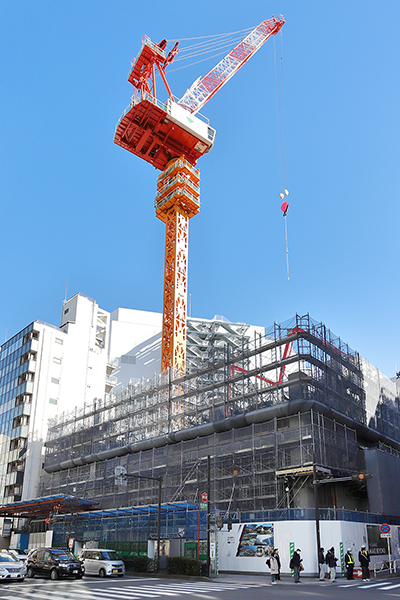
(140,588)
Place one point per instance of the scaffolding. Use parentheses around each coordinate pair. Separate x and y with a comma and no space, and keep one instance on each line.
(258,407)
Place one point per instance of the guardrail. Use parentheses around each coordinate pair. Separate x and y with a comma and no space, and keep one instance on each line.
(385,565)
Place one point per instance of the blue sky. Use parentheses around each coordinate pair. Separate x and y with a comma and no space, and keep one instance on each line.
(74,205)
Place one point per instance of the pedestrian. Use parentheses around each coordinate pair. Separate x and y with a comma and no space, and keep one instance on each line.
(331,561)
(363,557)
(273,564)
(321,563)
(295,564)
(278,576)
(349,562)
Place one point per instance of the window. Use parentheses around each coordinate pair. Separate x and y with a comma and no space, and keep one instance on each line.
(53,401)
(66,311)
(54,380)
(57,360)
(58,341)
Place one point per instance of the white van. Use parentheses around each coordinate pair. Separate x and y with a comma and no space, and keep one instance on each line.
(102,562)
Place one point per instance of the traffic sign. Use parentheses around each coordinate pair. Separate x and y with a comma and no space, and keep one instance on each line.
(204,497)
(386,535)
(212,549)
(385,528)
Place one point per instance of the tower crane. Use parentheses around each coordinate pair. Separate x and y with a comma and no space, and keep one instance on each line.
(172,138)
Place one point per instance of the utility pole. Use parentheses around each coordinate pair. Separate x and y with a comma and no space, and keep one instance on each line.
(208,515)
(159,523)
(316,504)
(315,486)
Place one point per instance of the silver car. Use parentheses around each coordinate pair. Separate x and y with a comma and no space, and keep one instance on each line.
(10,567)
(102,562)
(21,555)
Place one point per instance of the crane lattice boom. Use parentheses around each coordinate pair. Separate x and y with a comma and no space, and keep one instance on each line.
(204,89)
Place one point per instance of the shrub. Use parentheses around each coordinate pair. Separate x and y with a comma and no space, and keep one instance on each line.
(181,565)
(140,564)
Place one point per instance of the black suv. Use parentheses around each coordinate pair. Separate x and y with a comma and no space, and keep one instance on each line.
(53,563)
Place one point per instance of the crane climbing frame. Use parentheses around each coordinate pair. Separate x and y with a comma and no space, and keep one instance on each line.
(172,138)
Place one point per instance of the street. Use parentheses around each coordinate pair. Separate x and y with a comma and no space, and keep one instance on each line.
(223,588)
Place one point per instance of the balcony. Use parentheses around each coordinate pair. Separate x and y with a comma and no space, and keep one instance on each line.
(14,478)
(111,366)
(110,383)
(20,432)
(25,388)
(23,409)
(29,365)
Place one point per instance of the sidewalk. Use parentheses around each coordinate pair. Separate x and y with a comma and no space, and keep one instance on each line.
(255,578)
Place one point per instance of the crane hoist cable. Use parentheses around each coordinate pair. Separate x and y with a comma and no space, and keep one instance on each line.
(285,174)
(281,184)
(282,155)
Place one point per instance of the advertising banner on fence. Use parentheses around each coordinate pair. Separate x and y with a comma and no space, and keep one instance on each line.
(256,540)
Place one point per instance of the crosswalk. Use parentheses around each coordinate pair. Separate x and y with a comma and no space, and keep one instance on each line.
(64,590)
(141,589)
(367,585)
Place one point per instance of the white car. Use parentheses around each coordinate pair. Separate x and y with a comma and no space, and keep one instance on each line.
(102,562)
(10,567)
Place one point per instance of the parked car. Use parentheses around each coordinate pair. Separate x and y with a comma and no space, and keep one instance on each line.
(19,554)
(102,562)
(53,563)
(10,567)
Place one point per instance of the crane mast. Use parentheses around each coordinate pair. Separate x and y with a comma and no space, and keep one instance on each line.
(172,138)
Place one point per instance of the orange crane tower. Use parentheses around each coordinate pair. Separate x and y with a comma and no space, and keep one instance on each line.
(172,138)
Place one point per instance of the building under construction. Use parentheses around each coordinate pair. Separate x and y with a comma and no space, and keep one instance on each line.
(272,413)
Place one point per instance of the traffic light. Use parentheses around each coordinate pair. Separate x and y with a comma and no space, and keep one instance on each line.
(229,521)
(220,521)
